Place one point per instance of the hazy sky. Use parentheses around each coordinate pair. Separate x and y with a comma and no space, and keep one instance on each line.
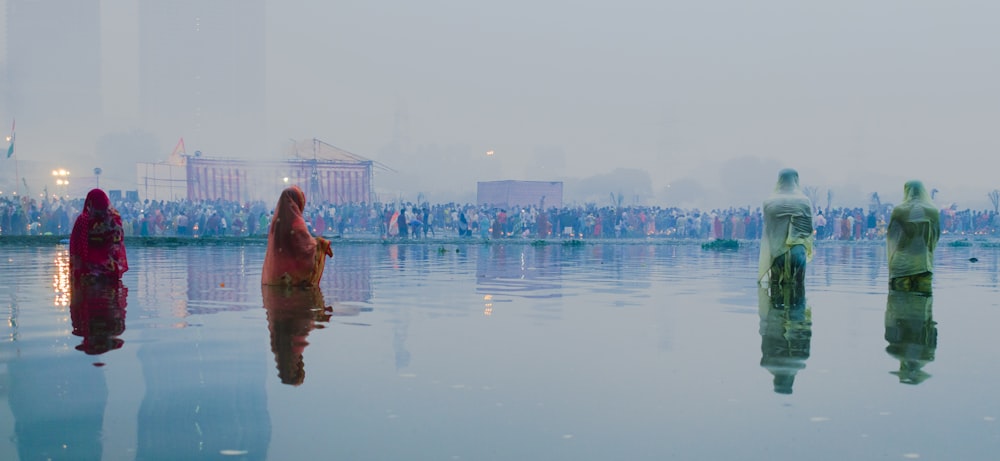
(858,95)
(847,91)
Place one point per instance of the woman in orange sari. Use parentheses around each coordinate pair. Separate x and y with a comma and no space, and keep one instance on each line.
(96,248)
(294,257)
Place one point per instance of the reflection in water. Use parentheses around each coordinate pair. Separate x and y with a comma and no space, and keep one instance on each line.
(351,277)
(57,398)
(400,333)
(520,270)
(58,402)
(785,333)
(60,280)
(291,314)
(209,292)
(912,334)
(98,314)
(205,396)
(487,305)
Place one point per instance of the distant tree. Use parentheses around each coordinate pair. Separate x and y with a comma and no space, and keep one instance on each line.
(994,196)
(617,200)
(876,203)
(626,183)
(813,193)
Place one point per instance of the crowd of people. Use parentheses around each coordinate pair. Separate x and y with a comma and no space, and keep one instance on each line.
(787,225)
(184,218)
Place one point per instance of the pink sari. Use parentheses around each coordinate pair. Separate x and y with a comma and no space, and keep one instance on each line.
(294,257)
(96,246)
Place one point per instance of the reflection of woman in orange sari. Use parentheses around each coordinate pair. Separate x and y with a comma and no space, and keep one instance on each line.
(294,257)
(291,314)
(96,248)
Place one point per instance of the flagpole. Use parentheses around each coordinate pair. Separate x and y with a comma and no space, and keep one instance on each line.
(11,151)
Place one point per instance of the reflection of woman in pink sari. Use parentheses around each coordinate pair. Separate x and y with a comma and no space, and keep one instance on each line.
(96,248)
(98,315)
(294,257)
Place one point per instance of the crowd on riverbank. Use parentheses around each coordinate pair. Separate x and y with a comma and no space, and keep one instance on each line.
(183,218)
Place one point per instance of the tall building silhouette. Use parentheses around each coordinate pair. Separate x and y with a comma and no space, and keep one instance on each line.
(53,72)
(202,73)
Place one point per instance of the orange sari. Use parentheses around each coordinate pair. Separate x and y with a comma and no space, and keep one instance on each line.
(294,257)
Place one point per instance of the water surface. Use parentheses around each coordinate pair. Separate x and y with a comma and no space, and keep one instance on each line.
(500,351)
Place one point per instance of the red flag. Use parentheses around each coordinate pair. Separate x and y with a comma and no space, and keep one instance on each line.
(179,148)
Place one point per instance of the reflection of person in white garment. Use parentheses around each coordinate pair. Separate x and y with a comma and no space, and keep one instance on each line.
(785,335)
(912,333)
(787,242)
(913,232)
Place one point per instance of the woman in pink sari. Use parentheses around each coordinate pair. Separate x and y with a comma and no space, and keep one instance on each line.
(96,246)
(294,257)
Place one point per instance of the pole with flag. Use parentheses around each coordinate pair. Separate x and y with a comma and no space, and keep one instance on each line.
(10,152)
(175,156)
(10,139)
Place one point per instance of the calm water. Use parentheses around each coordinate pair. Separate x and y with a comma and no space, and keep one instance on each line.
(501,352)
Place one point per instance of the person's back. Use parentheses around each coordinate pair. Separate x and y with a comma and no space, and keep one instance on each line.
(293,257)
(96,244)
(787,240)
(911,237)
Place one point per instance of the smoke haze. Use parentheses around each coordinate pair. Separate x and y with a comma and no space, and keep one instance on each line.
(694,104)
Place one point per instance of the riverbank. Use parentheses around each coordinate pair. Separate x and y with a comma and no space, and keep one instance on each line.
(171,241)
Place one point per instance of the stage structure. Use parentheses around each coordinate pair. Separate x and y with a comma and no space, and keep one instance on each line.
(325,172)
(510,193)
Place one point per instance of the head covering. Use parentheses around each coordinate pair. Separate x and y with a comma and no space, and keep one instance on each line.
(787,221)
(913,232)
(294,256)
(96,248)
(291,314)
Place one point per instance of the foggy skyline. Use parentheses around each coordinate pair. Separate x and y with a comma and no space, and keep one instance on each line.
(710,98)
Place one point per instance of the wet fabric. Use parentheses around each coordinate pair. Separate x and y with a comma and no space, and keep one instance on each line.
(294,257)
(96,246)
(913,232)
(787,222)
